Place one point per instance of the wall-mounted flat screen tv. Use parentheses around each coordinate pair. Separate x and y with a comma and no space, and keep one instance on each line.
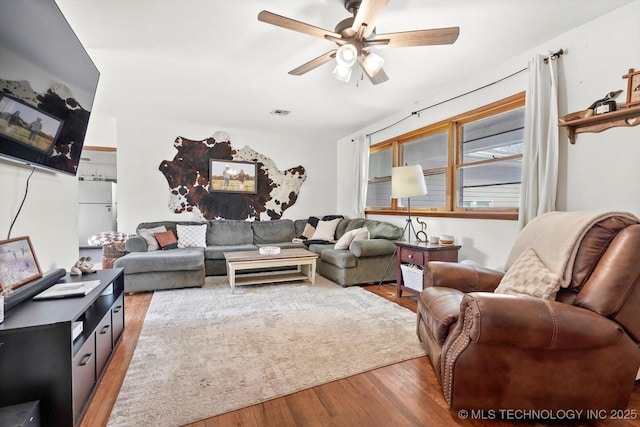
(47,86)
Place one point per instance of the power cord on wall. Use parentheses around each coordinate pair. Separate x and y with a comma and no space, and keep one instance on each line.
(26,191)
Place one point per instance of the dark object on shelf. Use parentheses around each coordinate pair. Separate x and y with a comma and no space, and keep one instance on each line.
(603,107)
(21,415)
(608,97)
(33,288)
(606,104)
(600,106)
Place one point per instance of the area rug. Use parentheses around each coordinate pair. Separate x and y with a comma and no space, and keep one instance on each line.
(203,352)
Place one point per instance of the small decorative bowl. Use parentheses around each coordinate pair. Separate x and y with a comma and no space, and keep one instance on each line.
(446,239)
(269,250)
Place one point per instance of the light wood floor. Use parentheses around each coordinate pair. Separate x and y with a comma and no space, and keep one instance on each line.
(403,394)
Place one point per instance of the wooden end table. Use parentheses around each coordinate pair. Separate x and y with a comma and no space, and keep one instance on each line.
(419,254)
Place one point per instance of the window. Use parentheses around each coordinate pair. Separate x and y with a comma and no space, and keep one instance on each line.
(471,163)
(488,174)
(379,187)
(431,152)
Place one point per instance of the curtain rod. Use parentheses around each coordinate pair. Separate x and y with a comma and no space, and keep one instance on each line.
(553,55)
(417,112)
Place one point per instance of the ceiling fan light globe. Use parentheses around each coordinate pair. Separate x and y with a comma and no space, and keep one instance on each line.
(347,55)
(372,63)
(342,73)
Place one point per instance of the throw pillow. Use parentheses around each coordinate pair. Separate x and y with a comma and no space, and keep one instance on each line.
(529,276)
(192,236)
(351,236)
(326,230)
(309,227)
(344,241)
(362,234)
(166,240)
(147,235)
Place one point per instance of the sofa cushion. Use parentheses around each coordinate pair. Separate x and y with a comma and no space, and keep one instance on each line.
(229,232)
(377,229)
(383,230)
(192,236)
(217,252)
(529,276)
(299,226)
(318,248)
(171,260)
(274,231)
(339,258)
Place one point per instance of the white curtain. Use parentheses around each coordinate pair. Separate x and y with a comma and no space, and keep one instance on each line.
(541,138)
(361,174)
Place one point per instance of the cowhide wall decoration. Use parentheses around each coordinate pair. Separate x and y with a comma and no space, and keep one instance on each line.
(188,178)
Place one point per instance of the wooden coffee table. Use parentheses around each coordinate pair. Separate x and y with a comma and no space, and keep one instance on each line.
(304,260)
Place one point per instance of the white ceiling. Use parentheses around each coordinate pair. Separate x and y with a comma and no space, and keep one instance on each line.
(212,61)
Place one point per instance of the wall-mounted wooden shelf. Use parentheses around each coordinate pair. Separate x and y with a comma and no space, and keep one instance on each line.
(626,117)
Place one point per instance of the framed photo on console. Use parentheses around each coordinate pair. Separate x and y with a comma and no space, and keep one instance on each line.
(18,263)
(230,176)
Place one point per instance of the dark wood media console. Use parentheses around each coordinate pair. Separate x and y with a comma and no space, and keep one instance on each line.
(39,358)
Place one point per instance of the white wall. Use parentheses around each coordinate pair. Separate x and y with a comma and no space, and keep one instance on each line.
(598,173)
(49,215)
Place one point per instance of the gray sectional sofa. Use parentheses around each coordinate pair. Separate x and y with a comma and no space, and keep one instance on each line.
(364,261)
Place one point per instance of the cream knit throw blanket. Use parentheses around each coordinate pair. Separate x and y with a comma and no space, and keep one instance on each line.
(556,237)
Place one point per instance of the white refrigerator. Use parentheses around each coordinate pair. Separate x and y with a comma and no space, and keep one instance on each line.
(97,209)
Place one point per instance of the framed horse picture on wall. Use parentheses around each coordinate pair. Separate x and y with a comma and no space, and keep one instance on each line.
(231,176)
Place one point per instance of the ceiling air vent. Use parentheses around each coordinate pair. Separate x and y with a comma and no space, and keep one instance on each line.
(278,112)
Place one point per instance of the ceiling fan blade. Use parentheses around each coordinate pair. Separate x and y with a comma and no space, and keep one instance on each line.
(368,15)
(314,63)
(292,24)
(420,37)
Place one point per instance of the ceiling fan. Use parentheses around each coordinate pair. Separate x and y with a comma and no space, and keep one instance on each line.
(355,35)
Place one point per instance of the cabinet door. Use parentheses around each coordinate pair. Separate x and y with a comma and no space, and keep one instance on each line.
(84,374)
(103,342)
(117,318)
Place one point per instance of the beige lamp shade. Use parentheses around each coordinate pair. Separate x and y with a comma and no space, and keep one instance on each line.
(407,181)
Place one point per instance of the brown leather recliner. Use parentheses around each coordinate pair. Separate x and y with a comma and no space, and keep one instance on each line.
(502,352)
